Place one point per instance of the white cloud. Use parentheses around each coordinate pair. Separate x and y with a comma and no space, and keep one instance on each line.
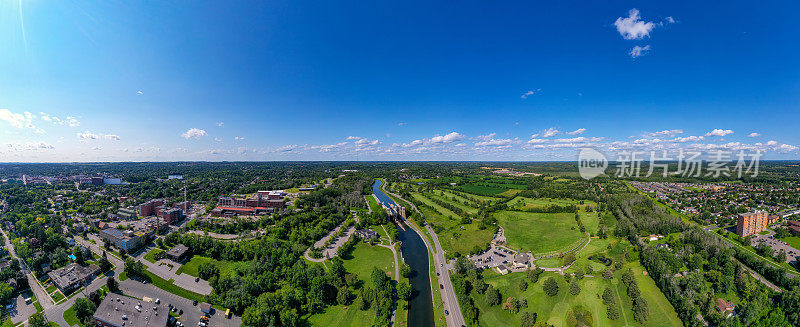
(530,92)
(412,143)
(238,138)
(536,141)
(194,133)
(401,124)
(17,120)
(366,141)
(485,137)
(754,134)
(87,135)
(493,142)
(139,93)
(352,138)
(219,124)
(111,137)
(632,27)
(666,132)
(41,145)
(670,20)
(449,138)
(549,132)
(286,148)
(577,131)
(72,122)
(638,51)
(719,132)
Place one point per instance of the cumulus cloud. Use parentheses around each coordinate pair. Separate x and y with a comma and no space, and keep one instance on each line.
(41,145)
(352,138)
(666,132)
(18,120)
(238,138)
(449,138)
(670,20)
(529,93)
(365,142)
(632,27)
(87,135)
(754,134)
(401,124)
(550,132)
(139,93)
(194,133)
(494,142)
(719,132)
(638,51)
(111,137)
(577,131)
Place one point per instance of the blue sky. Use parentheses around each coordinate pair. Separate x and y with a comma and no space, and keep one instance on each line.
(416,80)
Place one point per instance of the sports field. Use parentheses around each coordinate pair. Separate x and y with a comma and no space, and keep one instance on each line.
(539,232)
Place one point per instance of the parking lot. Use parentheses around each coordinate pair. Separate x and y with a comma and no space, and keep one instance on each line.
(493,257)
(776,245)
(191,313)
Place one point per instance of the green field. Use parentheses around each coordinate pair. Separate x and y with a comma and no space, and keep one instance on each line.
(365,257)
(482,190)
(151,256)
(191,267)
(454,236)
(71,318)
(372,203)
(455,201)
(794,241)
(555,309)
(539,232)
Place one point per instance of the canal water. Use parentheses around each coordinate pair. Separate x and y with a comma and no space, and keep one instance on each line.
(420,308)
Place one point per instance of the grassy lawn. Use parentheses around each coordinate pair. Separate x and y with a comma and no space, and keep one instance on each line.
(123,276)
(70,317)
(339,315)
(57,296)
(168,286)
(372,203)
(191,268)
(50,289)
(555,309)
(455,201)
(482,190)
(365,257)
(539,232)
(793,241)
(439,209)
(151,256)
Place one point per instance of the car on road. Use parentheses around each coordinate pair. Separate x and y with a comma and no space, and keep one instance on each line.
(194,302)
(441,286)
(445,312)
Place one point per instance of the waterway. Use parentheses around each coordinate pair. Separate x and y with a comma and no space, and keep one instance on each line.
(420,308)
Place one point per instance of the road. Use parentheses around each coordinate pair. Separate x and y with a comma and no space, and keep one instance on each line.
(454,316)
(44,299)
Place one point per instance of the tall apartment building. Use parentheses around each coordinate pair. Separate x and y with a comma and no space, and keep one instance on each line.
(751,223)
(148,208)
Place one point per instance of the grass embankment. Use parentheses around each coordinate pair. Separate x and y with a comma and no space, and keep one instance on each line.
(151,256)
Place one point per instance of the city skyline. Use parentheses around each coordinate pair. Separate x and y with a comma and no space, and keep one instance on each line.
(412,81)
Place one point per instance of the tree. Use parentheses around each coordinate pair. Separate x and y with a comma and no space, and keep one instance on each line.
(533,275)
(640,309)
(578,272)
(612,312)
(523,285)
(105,265)
(404,291)
(492,296)
(343,296)
(84,308)
(568,259)
(527,319)
(608,296)
(608,274)
(37,320)
(112,284)
(405,270)
(551,286)
(574,287)
(6,291)
(781,257)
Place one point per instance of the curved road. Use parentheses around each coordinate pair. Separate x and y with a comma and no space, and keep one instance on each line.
(454,316)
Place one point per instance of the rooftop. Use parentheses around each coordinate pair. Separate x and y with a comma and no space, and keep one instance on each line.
(70,274)
(121,310)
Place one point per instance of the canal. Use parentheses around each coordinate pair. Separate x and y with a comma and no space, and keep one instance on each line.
(420,308)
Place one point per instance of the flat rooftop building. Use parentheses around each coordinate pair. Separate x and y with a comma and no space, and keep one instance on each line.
(119,310)
(72,276)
